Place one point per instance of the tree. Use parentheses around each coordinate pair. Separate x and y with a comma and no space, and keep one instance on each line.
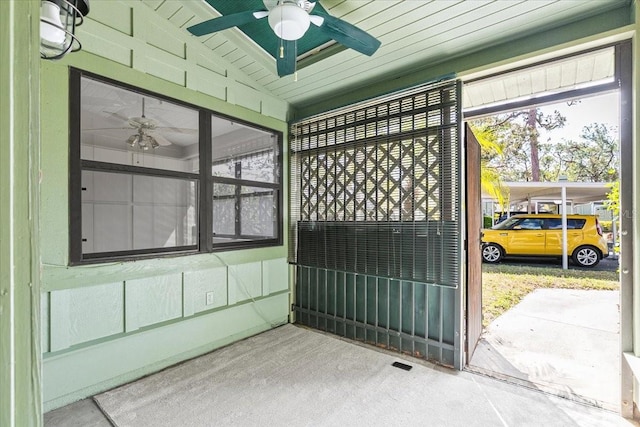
(594,158)
(613,199)
(522,156)
(490,179)
(517,134)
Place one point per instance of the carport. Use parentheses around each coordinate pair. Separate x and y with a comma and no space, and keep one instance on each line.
(561,193)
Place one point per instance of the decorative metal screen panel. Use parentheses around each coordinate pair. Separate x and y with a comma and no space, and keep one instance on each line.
(375,222)
(375,188)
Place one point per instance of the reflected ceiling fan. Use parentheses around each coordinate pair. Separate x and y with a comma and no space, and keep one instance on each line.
(145,138)
(290,20)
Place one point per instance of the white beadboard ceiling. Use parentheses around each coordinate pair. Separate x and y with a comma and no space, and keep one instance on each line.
(412,32)
(575,72)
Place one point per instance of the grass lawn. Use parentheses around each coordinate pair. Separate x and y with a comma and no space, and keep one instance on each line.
(504,286)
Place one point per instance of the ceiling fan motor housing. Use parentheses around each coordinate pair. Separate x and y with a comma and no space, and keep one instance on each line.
(289,21)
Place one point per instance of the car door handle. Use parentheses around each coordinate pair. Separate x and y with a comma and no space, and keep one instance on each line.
(539,235)
(504,234)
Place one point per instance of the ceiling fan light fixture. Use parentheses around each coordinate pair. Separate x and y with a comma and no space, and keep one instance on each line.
(133,140)
(289,21)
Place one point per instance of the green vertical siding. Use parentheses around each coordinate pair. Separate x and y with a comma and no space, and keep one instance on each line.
(20,387)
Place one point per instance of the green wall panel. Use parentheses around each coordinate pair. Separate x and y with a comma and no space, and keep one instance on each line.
(113,14)
(76,374)
(275,276)
(86,314)
(245,282)
(156,35)
(197,284)
(152,300)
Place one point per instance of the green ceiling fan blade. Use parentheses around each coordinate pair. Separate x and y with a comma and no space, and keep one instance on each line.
(226,21)
(348,35)
(287,63)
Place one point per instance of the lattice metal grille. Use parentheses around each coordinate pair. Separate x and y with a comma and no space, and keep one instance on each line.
(375,188)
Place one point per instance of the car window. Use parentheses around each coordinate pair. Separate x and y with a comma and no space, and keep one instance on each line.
(554,223)
(575,224)
(506,224)
(531,224)
(572,224)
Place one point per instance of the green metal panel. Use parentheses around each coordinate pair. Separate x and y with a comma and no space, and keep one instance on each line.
(409,317)
(377,209)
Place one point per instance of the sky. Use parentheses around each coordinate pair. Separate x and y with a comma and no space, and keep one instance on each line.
(597,109)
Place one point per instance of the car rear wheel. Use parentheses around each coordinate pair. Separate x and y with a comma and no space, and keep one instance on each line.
(491,253)
(586,256)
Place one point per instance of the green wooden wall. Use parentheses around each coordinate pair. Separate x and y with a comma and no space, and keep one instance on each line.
(20,385)
(95,334)
(107,324)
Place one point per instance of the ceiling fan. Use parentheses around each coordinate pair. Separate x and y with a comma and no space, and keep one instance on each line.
(290,20)
(145,136)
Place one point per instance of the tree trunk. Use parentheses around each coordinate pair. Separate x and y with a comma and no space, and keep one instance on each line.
(533,139)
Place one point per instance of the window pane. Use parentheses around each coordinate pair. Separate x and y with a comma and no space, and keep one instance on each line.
(243,152)
(224,211)
(576,224)
(123,212)
(125,127)
(257,212)
(244,215)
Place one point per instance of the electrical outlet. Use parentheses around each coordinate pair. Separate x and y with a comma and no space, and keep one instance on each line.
(209,298)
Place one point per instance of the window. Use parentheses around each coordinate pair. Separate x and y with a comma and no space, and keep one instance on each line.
(572,224)
(530,224)
(151,175)
(245,184)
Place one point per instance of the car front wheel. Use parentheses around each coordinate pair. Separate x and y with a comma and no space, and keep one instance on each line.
(491,253)
(586,256)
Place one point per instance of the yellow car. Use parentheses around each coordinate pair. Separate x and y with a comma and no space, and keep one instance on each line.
(541,235)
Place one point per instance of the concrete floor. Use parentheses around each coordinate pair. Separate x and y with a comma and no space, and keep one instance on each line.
(295,376)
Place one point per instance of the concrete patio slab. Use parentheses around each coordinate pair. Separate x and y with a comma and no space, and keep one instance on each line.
(296,376)
(559,340)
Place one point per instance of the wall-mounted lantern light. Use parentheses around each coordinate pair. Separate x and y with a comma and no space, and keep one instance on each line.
(58,22)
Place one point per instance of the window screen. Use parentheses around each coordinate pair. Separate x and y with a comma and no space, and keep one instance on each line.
(375,188)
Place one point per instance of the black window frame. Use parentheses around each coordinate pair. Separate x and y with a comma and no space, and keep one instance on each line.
(204,181)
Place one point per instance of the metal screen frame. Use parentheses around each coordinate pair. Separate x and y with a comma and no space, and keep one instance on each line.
(377,220)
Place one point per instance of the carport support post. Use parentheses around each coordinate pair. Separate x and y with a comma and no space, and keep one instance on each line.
(565,259)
